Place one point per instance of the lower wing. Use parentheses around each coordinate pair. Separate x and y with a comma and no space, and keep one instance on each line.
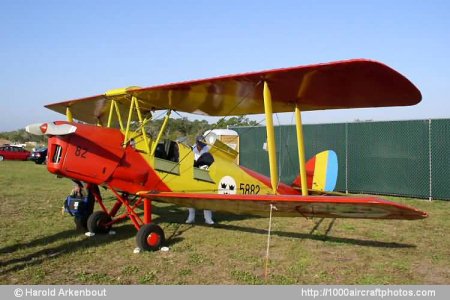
(364,207)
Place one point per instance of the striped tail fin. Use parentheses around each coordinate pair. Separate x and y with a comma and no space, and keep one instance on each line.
(321,172)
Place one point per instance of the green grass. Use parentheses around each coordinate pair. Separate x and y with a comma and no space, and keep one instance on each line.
(39,245)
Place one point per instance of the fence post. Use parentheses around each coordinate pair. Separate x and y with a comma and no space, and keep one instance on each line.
(430,161)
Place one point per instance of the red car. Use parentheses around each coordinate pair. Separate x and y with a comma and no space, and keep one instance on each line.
(13,152)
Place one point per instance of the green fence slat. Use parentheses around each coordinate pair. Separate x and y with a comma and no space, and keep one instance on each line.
(389,158)
(440,160)
(317,139)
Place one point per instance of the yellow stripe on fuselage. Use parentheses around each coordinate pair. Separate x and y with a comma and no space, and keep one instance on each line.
(320,171)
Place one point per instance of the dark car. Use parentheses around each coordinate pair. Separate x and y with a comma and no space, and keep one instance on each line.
(39,156)
(13,152)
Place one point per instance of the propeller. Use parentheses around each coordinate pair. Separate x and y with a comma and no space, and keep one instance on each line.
(50,129)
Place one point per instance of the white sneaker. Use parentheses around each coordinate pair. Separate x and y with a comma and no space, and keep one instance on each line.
(208,217)
(191,216)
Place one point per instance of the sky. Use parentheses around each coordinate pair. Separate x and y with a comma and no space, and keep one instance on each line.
(51,51)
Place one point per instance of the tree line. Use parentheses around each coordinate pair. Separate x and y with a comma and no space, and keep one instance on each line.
(177,127)
(21,136)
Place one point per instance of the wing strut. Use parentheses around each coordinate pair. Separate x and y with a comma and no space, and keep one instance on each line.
(134,105)
(69,114)
(115,107)
(161,131)
(270,138)
(301,150)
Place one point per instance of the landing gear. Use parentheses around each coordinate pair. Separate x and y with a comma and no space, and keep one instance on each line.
(150,237)
(98,222)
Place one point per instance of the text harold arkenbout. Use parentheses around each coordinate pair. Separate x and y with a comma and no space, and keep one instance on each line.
(59,292)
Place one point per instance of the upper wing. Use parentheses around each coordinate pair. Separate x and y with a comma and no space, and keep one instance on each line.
(291,206)
(344,84)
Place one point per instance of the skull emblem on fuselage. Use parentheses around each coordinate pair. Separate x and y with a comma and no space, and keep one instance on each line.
(227,186)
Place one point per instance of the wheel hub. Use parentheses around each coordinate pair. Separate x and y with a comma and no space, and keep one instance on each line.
(153,239)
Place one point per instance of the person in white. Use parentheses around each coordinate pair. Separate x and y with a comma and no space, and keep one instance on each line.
(200,148)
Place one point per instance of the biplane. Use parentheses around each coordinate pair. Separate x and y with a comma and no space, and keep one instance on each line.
(104,142)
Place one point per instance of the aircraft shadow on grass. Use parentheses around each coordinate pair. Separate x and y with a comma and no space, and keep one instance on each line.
(41,254)
(44,250)
(317,237)
(176,218)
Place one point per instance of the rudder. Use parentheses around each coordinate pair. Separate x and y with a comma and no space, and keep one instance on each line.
(321,172)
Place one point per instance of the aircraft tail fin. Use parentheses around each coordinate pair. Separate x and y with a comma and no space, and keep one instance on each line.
(321,172)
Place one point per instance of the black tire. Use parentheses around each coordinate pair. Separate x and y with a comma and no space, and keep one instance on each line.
(96,222)
(150,237)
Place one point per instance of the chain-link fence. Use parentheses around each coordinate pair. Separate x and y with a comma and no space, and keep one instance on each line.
(407,158)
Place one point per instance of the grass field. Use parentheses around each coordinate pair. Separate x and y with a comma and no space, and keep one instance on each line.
(39,245)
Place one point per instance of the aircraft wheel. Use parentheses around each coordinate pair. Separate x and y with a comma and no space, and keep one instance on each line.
(1,158)
(96,222)
(150,237)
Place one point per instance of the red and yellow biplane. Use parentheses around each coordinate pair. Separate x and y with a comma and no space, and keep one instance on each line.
(110,147)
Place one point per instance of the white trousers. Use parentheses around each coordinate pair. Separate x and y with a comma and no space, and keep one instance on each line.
(206,213)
